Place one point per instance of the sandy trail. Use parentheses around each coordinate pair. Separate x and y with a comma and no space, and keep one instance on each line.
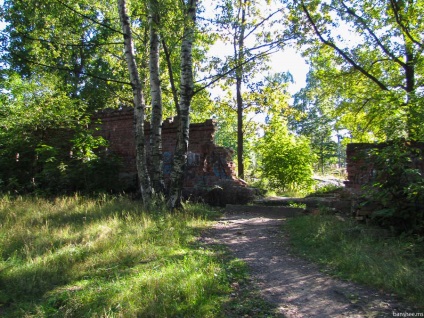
(295,286)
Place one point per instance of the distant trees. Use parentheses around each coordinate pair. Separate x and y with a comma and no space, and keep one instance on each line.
(368,80)
(246,26)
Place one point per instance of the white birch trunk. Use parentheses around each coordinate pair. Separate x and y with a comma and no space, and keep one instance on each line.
(186,94)
(139,103)
(156,95)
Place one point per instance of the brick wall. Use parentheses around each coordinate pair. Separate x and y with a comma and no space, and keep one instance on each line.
(208,164)
(361,165)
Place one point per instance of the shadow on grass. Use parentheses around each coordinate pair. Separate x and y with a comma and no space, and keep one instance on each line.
(73,217)
(177,285)
(50,269)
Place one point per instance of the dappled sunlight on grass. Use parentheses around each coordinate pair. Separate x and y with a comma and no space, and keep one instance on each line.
(105,257)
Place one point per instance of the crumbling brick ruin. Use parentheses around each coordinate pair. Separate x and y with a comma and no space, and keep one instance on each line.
(361,166)
(363,170)
(210,168)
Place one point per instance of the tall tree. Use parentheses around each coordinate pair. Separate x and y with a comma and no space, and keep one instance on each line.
(186,94)
(156,96)
(247,25)
(239,48)
(139,103)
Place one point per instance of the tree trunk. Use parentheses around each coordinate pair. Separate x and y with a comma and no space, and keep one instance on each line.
(240,134)
(415,113)
(239,52)
(139,104)
(186,94)
(156,95)
(171,76)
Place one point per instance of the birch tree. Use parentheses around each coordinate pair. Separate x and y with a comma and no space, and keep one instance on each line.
(156,97)
(186,94)
(139,103)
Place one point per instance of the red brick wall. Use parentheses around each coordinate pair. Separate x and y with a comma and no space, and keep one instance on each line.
(361,166)
(207,163)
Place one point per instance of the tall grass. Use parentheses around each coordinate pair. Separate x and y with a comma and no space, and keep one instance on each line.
(105,257)
(363,254)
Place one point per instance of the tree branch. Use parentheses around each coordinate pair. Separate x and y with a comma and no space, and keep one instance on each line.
(89,18)
(217,77)
(376,39)
(60,68)
(403,27)
(171,75)
(88,44)
(343,54)
(261,23)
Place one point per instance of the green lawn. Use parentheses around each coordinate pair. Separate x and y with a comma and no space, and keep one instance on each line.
(106,257)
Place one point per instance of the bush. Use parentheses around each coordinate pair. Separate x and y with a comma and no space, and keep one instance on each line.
(47,166)
(286,160)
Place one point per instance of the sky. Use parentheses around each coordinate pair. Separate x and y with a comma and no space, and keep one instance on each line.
(287,60)
(291,60)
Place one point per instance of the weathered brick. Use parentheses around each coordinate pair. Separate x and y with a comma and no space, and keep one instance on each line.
(207,165)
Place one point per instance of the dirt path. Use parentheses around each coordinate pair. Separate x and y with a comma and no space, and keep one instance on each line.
(295,286)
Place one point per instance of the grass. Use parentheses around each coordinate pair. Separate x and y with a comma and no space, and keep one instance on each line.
(106,257)
(363,254)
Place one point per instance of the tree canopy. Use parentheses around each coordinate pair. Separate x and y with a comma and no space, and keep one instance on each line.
(367,61)
(63,60)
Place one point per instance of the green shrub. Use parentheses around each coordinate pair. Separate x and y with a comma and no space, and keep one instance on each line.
(286,160)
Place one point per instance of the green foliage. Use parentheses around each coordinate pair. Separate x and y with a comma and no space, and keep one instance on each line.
(362,253)
(45,145)
(326,189)
(76,41)
(368,76)
(285,159)
(265,99)
(313,121)
(398,186)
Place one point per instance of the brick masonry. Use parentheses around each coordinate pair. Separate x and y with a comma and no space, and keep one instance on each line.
(208,164)
(362,167)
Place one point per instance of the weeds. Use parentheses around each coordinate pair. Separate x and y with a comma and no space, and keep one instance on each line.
(106,257)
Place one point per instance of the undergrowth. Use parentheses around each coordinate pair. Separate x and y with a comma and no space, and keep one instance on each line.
(362,254)
(106,257)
